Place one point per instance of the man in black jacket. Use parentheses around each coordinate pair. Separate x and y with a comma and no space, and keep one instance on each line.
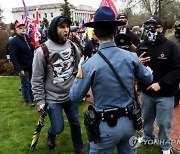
(157,99)
(21,54)
(133,38)
(91,47)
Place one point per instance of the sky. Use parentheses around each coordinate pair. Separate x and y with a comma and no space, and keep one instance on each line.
(7,5)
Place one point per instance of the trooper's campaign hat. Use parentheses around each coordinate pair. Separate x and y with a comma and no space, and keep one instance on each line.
(104,16)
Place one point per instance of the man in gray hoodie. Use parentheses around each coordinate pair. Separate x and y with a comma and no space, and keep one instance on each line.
(51,83)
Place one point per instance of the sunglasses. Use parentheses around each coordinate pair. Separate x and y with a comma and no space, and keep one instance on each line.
(153,28)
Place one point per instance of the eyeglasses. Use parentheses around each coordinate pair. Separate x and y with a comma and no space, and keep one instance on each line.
(153,28)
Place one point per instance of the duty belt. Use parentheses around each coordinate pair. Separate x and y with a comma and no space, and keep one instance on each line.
(111,113)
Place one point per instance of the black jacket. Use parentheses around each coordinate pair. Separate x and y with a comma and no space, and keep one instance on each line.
(21,53)
(165,63)
(91,48)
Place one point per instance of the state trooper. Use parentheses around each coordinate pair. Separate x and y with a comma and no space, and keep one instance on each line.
(108,93)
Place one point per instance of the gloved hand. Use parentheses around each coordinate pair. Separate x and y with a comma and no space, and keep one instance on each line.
(41,109)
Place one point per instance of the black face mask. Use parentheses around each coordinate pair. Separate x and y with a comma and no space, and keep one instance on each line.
(151,36)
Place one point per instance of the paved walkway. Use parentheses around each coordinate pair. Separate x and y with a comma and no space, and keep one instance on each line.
(175,133)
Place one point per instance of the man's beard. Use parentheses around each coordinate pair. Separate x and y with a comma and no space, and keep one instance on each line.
(62,40)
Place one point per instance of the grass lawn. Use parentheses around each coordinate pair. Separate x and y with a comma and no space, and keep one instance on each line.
(18,123)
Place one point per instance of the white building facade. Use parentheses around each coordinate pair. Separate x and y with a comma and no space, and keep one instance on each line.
(49,11)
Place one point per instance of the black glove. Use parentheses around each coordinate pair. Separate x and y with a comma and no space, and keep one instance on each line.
(42,109)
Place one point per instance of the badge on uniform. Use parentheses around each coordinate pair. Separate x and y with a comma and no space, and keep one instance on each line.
(80,73)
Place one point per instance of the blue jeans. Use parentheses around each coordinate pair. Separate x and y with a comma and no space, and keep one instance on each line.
(112,137)
(26,87)
(161,109)
(55,113)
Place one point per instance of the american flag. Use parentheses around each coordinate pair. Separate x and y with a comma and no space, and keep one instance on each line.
(45,30)
(31,26)
(27,21)
(81,25)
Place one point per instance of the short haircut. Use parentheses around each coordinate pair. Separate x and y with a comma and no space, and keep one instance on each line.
(104,31)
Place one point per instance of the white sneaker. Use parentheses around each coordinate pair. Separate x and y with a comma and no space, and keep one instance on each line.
(140,139)
(167,151)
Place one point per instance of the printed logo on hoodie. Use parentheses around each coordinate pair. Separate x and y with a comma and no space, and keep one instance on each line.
(63,65)
(162,56)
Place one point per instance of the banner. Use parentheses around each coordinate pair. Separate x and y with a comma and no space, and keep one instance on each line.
(35,33)
(91,16)
(110,4)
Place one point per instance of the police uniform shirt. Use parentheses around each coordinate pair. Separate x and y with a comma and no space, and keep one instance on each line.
(107,90)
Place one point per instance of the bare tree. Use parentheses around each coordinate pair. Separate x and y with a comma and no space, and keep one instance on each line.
(152,6)
(139,10)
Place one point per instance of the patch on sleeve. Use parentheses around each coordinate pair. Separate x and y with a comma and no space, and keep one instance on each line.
(80,73)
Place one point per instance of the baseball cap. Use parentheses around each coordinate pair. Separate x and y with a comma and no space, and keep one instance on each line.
(122,15)
(19,24)
(62,19)
(154,19)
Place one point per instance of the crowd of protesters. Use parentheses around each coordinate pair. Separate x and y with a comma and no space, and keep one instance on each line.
(55,79)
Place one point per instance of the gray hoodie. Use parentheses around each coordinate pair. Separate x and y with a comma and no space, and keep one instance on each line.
(45,86)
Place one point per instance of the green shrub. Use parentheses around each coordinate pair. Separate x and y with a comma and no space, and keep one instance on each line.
(6,68)
(3,42)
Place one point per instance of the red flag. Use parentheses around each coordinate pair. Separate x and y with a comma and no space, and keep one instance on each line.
(91,16)
(110,4)
(35,33)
